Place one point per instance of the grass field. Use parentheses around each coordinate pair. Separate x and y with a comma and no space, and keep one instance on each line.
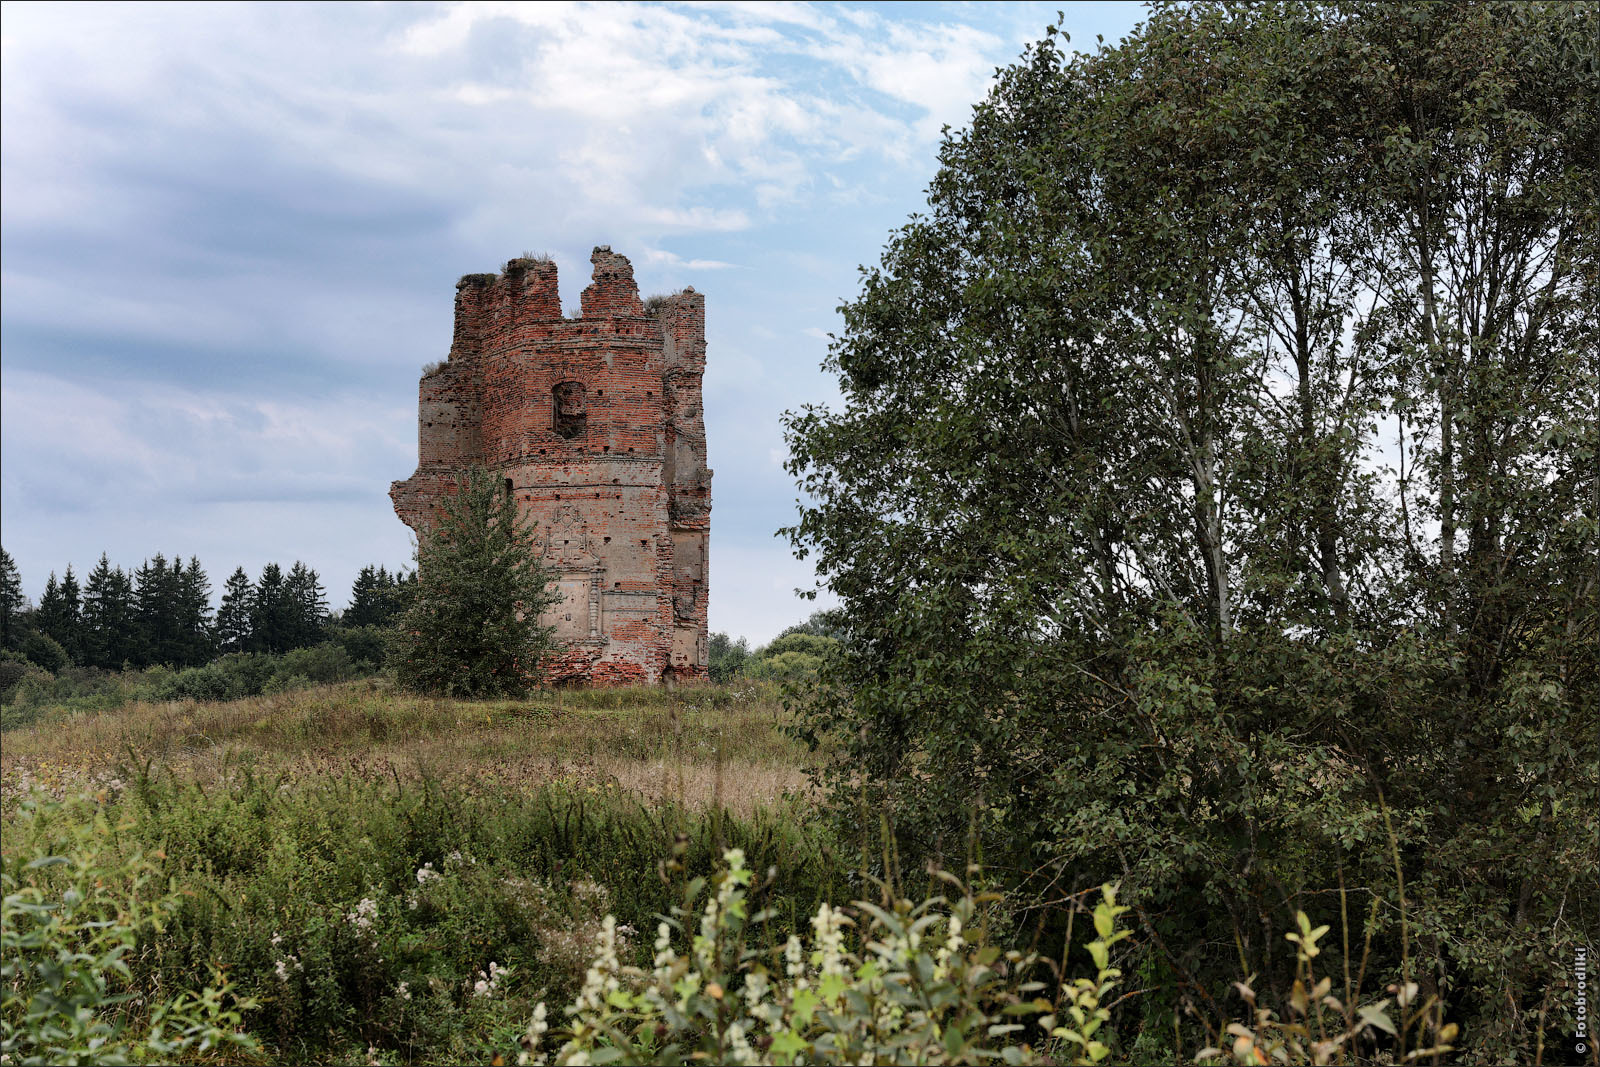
(351,860)
(360,875)
(695,746)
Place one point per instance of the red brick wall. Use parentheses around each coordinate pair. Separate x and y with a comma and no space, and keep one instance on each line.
(612,473)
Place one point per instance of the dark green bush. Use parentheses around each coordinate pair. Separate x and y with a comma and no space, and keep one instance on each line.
(365,645)
(44,651)
(803,643)
(321,664)
(231,677)
(727,657)
(195,683)
(14,667)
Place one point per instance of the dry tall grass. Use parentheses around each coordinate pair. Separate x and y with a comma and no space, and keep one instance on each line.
(698,746)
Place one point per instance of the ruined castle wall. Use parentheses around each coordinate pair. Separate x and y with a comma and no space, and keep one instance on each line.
(595,425)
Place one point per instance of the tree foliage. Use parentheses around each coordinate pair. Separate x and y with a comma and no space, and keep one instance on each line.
(60,614)
(161,614)
(12,602)
(471,626)
(233,627)
(1215,487)
(727,657)
(375,598)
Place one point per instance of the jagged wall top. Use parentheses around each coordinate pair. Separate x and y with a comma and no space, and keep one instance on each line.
(526,292)
(613,293)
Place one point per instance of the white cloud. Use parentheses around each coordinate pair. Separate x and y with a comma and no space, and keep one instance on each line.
(662,258)
(231,232)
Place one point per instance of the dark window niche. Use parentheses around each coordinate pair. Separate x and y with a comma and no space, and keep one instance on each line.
(570,415)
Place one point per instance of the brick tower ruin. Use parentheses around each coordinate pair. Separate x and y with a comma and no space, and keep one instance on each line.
(595,425)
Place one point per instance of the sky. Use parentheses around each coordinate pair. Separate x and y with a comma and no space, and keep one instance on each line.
(230,235)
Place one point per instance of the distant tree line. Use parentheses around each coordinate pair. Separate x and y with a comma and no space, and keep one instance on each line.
(161,613)
(796,653)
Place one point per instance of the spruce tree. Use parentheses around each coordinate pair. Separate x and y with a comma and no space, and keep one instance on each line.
(59,615)
(363,598)
(12,601)
(309,603)
(123,646)
(49,608)
(471,627)
(374,599)
(234,631)
(272,614)
(72,598)
(160,624)
(194,614)
(109,616)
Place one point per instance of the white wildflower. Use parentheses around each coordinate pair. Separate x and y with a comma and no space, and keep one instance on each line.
(952,946)
(602,975)
(664,953)
(530,1041)
(489,981)
(755,990)
(739,1050)
(794,961)
(426,874)
(366,911)
(829,925)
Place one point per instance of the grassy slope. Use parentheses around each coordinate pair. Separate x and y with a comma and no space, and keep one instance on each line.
(700,747)
(276,818)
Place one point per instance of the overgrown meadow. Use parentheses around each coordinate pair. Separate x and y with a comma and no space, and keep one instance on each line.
(348,873)
(387,878)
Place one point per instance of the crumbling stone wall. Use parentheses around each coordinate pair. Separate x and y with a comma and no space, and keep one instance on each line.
(595,425)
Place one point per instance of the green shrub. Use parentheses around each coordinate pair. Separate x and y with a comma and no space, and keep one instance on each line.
(14,667)
(45,652)
(320,664)
(365,645)
(805,643)
(784,667)
(920,983)
(194,683)
(230,677)
(247,672)
(75,688)
(76,908)
(911,983)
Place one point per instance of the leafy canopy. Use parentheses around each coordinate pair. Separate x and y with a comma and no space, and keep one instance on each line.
(1215,486)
